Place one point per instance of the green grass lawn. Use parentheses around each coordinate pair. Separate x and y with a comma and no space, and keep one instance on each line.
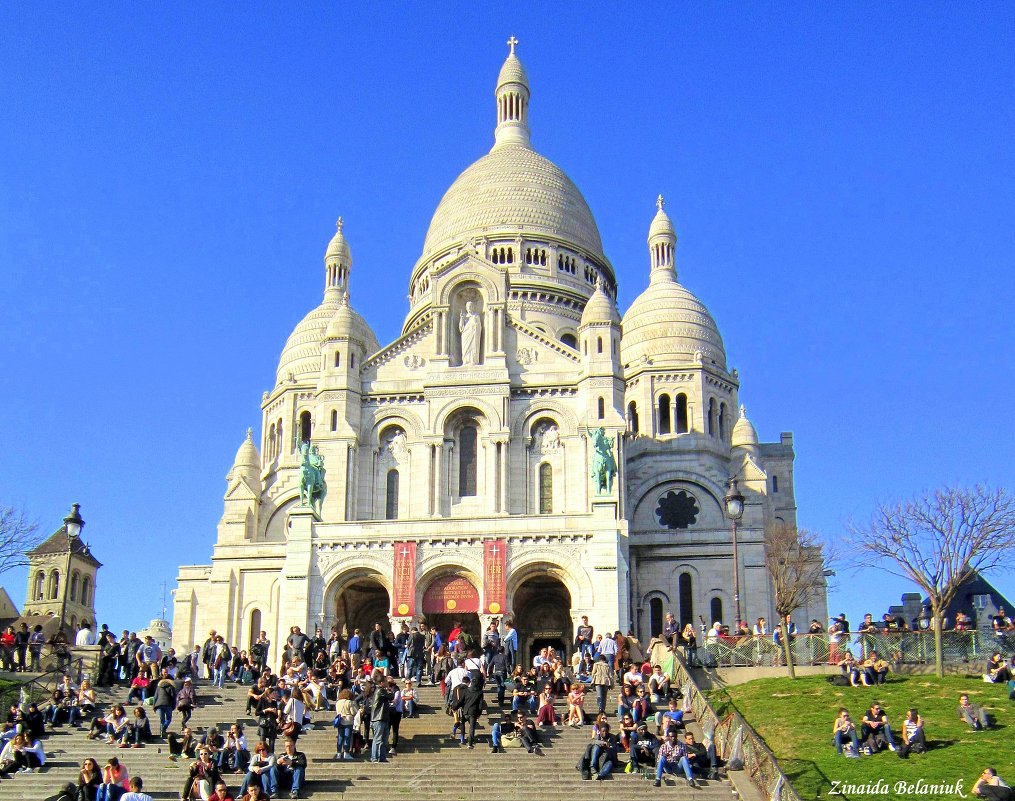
(795,719)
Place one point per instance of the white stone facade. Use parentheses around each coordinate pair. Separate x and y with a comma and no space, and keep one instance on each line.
(473,425)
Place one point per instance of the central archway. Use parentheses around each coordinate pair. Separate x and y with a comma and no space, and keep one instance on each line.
(542,616)
(452,600)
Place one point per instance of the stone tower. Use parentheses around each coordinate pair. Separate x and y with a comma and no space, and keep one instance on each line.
(61,576)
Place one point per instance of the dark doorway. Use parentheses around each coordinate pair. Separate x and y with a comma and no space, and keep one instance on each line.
(542,615)
(360,605)
(445,622)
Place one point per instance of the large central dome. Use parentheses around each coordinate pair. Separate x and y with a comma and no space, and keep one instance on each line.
(513,189)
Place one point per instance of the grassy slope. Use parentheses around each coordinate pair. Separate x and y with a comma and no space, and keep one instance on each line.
(795,719)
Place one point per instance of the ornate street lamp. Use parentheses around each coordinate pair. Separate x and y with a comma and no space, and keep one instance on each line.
(734,502)
(72,524)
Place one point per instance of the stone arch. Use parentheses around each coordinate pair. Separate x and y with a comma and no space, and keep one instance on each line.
(566,567)
(647,624)
(488,416)
(384,417)
(489,290)
(342,575)
(656,481)
(564,416)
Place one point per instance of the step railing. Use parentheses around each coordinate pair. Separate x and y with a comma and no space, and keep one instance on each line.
(760,763)
(39,688)
(900,648)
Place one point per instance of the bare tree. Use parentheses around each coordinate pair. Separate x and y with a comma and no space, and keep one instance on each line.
(940,540)
(797,563)
(17,537)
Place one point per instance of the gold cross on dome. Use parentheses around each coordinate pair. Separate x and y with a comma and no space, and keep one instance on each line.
(511,43)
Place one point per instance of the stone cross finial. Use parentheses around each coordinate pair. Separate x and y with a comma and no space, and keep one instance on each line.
(660,203)
(511,43)
(250,433)
(339,223)
(743,411)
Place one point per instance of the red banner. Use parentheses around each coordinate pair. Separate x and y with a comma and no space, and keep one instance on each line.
(450,594)
(403,598)
(494,576)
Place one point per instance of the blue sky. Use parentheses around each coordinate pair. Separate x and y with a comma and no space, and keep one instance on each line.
(841,180)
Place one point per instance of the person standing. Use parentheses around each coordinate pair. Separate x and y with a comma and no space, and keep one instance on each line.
(165,701)
(608,651)
(21,647)
(380,718)
(510,642)
(583,637)
(355,648)
(602,680)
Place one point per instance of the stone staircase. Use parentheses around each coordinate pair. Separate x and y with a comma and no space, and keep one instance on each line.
(429,765)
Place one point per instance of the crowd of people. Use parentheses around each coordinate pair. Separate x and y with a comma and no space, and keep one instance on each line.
(368,682)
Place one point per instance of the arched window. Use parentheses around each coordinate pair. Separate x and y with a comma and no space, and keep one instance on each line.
(712,414)
(40,584)
(391,496)
(655,617)
(632,417)
(86,591)
(467,441)
(545,489)
(775,484)
(74,586)
(664,414)
(601,408)
(599,344)
(569,340)
(682,414)
(352,360)
(270,450)
(255,626)
(715,609)
(686,594)
(334,420)
(722,421)
(306,426)
(54,584)
(338,358)
(278,437)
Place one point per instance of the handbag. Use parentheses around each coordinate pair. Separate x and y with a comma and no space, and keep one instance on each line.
(290,728)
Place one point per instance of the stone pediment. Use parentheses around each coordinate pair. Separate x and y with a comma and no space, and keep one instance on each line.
(240,490)
(529,350)
(406,357)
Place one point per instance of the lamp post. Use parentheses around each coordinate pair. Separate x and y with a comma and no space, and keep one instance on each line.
(73,524)
(734,502)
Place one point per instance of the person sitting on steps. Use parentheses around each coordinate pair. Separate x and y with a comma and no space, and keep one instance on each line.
(673,757)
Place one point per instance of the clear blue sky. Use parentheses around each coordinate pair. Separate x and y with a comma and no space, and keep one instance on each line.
(842,181)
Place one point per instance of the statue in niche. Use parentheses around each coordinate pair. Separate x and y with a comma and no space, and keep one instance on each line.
(397,446)
(549,437)
(470,326)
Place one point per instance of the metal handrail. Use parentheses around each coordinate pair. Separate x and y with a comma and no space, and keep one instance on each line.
(41,687)
(899,648)
(760,763)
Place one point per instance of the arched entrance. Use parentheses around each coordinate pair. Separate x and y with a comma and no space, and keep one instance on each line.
(360,604)
(452,600)
(542,615)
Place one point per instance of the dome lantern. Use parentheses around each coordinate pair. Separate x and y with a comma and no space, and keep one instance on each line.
(744,434)
(337,262)
(662,245)
(512,102)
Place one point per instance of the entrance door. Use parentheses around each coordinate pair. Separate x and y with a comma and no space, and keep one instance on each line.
(360,605)
(452,599)
(542,613)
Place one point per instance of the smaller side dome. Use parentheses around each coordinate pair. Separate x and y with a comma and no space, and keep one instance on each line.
(600,308)
(744,434)
(247,463)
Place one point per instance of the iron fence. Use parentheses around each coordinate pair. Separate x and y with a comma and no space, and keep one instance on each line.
(760,764)
(899,648)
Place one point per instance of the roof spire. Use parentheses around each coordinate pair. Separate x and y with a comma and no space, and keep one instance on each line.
(662,244)
(512,102)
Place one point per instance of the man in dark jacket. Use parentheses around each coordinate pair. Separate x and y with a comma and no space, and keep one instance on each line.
(108,655)
(471,699)
(380,718)
(291,766)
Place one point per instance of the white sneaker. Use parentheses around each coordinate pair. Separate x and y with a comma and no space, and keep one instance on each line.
(891,747)
(347,756)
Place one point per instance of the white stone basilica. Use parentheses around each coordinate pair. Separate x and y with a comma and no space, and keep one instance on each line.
(457,458)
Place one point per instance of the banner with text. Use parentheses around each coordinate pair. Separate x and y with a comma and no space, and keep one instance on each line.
(494,576)
(403,598)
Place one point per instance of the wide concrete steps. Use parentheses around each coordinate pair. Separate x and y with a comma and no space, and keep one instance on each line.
(428,765)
